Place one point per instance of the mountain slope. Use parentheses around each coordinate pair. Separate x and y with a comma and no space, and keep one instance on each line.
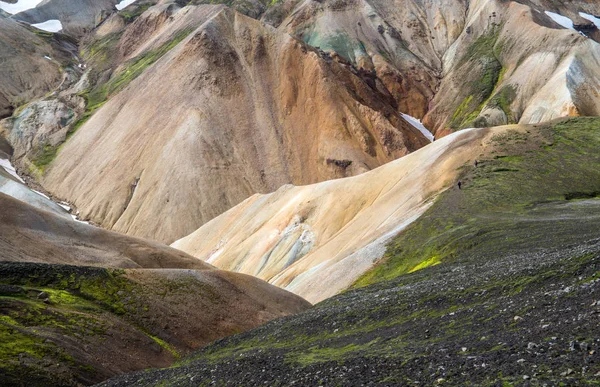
(63,322)
(77,17)
(459,64)
(317,240)
(243,109)
(497,284)
(31,65)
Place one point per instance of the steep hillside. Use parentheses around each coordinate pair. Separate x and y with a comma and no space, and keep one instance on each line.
(317,240)
(66,323)
(496,284)
(242,109)
(76,17)
(32,64)
(462,63)
(70,325)
(111,57)
(269,110)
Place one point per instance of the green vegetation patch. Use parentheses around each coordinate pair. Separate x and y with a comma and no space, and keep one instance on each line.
(523,171)
(130,13)
(483,57)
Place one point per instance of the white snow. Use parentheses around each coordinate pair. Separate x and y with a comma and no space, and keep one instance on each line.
(4,163)
(19,6)
(41,194)
(8,167)
(591,18)
(124,4)
(417,124)
(561,20)
(52,25)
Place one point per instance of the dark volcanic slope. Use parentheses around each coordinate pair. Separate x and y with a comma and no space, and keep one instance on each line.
(515,299)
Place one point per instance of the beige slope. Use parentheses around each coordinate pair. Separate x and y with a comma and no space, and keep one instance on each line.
(316,240)
(30,234)
(236,108)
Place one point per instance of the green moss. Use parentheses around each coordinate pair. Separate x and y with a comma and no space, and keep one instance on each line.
(482,55)
(129,14)
(428,263)
(503,100)
(319,354)
(512,182)
(16,344)
(164,345)
(46,155)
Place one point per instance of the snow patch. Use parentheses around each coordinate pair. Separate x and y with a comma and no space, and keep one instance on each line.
(41,194)
(591,18)
(561,20)
(417,124)
(78,220)
(52,25)
(8,167)
(19,6)
(124,4)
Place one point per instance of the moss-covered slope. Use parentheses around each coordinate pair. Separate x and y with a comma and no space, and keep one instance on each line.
(66,325)
(497,284)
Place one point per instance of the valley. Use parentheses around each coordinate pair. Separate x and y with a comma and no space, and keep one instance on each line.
(336,192)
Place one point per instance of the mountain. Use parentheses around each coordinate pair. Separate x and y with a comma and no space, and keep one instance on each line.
(80,304)
(243,109)
(424,171)
(76,17)
(459,64)
(316,240)
(270,110)
(31,64)
(496,284)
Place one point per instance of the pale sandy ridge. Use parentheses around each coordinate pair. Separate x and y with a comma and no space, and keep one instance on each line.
(317,240)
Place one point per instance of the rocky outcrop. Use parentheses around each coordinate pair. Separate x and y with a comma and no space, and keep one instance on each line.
(241,109)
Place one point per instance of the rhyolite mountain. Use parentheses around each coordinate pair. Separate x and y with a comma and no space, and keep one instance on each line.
(280,140)
(315,96)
